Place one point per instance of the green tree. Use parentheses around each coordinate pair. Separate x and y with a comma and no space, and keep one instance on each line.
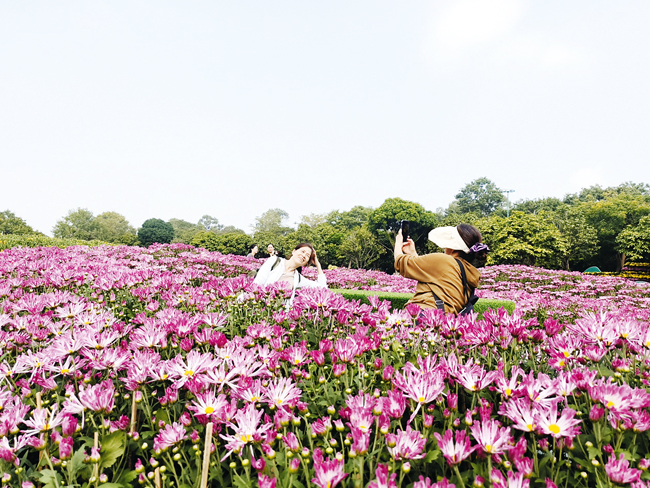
(324,237)
(609,217)
(113,227)
(481,196)
(352,219)
(11,224)
(550,204)
(184,231)
(270,228)
(529,239)
(208,222)
(596,193)
(229,243)
(581,238)
(155,231)
(272,221)
(360,248)
(384,221)
(633,242)
(229,229)
(78,224)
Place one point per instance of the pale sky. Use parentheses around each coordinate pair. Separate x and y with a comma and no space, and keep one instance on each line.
(179,109)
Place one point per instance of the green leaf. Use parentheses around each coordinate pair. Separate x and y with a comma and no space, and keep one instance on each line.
(432,455)
(76,463)
(593,452)
(110,485)
(126,477)
(112,448)
(163,415)
(298,484)
(49,478)
(239,482)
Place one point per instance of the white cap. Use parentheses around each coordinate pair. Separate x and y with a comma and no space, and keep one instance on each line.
(448,237)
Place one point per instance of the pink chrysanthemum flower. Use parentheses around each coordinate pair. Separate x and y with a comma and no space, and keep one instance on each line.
(491,437)
(207,403)
(169,436)
(619,470)
(282,393)
(382,480)
(564,426)
(328,473)
(407,444)
(246,428)
(99,398)
(454,452)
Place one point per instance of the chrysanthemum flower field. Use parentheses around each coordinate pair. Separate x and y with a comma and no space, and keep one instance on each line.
(166,366)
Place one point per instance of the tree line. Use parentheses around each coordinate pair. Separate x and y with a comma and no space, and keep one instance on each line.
(598,226)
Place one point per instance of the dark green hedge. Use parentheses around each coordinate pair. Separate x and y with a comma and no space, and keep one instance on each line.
(399,300)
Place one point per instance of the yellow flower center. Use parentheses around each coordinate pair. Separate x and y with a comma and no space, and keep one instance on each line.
(566,354)
(209,410)
(508,392)
(65,370)
(530,427)
(610,404)
(554,428)
(421,399)
(488,447)
(189,372)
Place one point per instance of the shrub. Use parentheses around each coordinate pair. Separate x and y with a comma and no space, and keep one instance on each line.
(228,243)
(399,300)
(155,231)
(31,240)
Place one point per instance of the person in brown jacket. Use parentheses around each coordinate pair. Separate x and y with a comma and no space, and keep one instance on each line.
(440,283)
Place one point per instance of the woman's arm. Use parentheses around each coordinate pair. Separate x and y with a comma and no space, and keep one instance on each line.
(321,281)
(404,248)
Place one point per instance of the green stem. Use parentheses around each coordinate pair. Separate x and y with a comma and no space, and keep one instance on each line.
(460,478)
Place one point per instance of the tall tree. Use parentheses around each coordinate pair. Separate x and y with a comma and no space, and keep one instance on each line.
(360,248)
(384,222)
(184,231)
(352,219)
(481,196)
(208,222)
(155,231)
(581,238)
(634,241)
(78,224)
(11,224)
(270,228)
(113,227)
(530,239)
(609,217)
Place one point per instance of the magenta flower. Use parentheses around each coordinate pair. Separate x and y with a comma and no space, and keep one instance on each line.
(328,473)
(407,444)
(619,470)
(491,437)
(282,393)
(454,452)
(99,398)
(564,426)
(382,480)
(360,441)
(169,436)
(266,481)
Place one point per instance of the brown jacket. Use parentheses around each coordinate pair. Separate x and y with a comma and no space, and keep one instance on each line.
(438,273)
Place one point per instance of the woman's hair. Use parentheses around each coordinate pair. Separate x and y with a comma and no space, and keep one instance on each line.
(312,258)
(471,235)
